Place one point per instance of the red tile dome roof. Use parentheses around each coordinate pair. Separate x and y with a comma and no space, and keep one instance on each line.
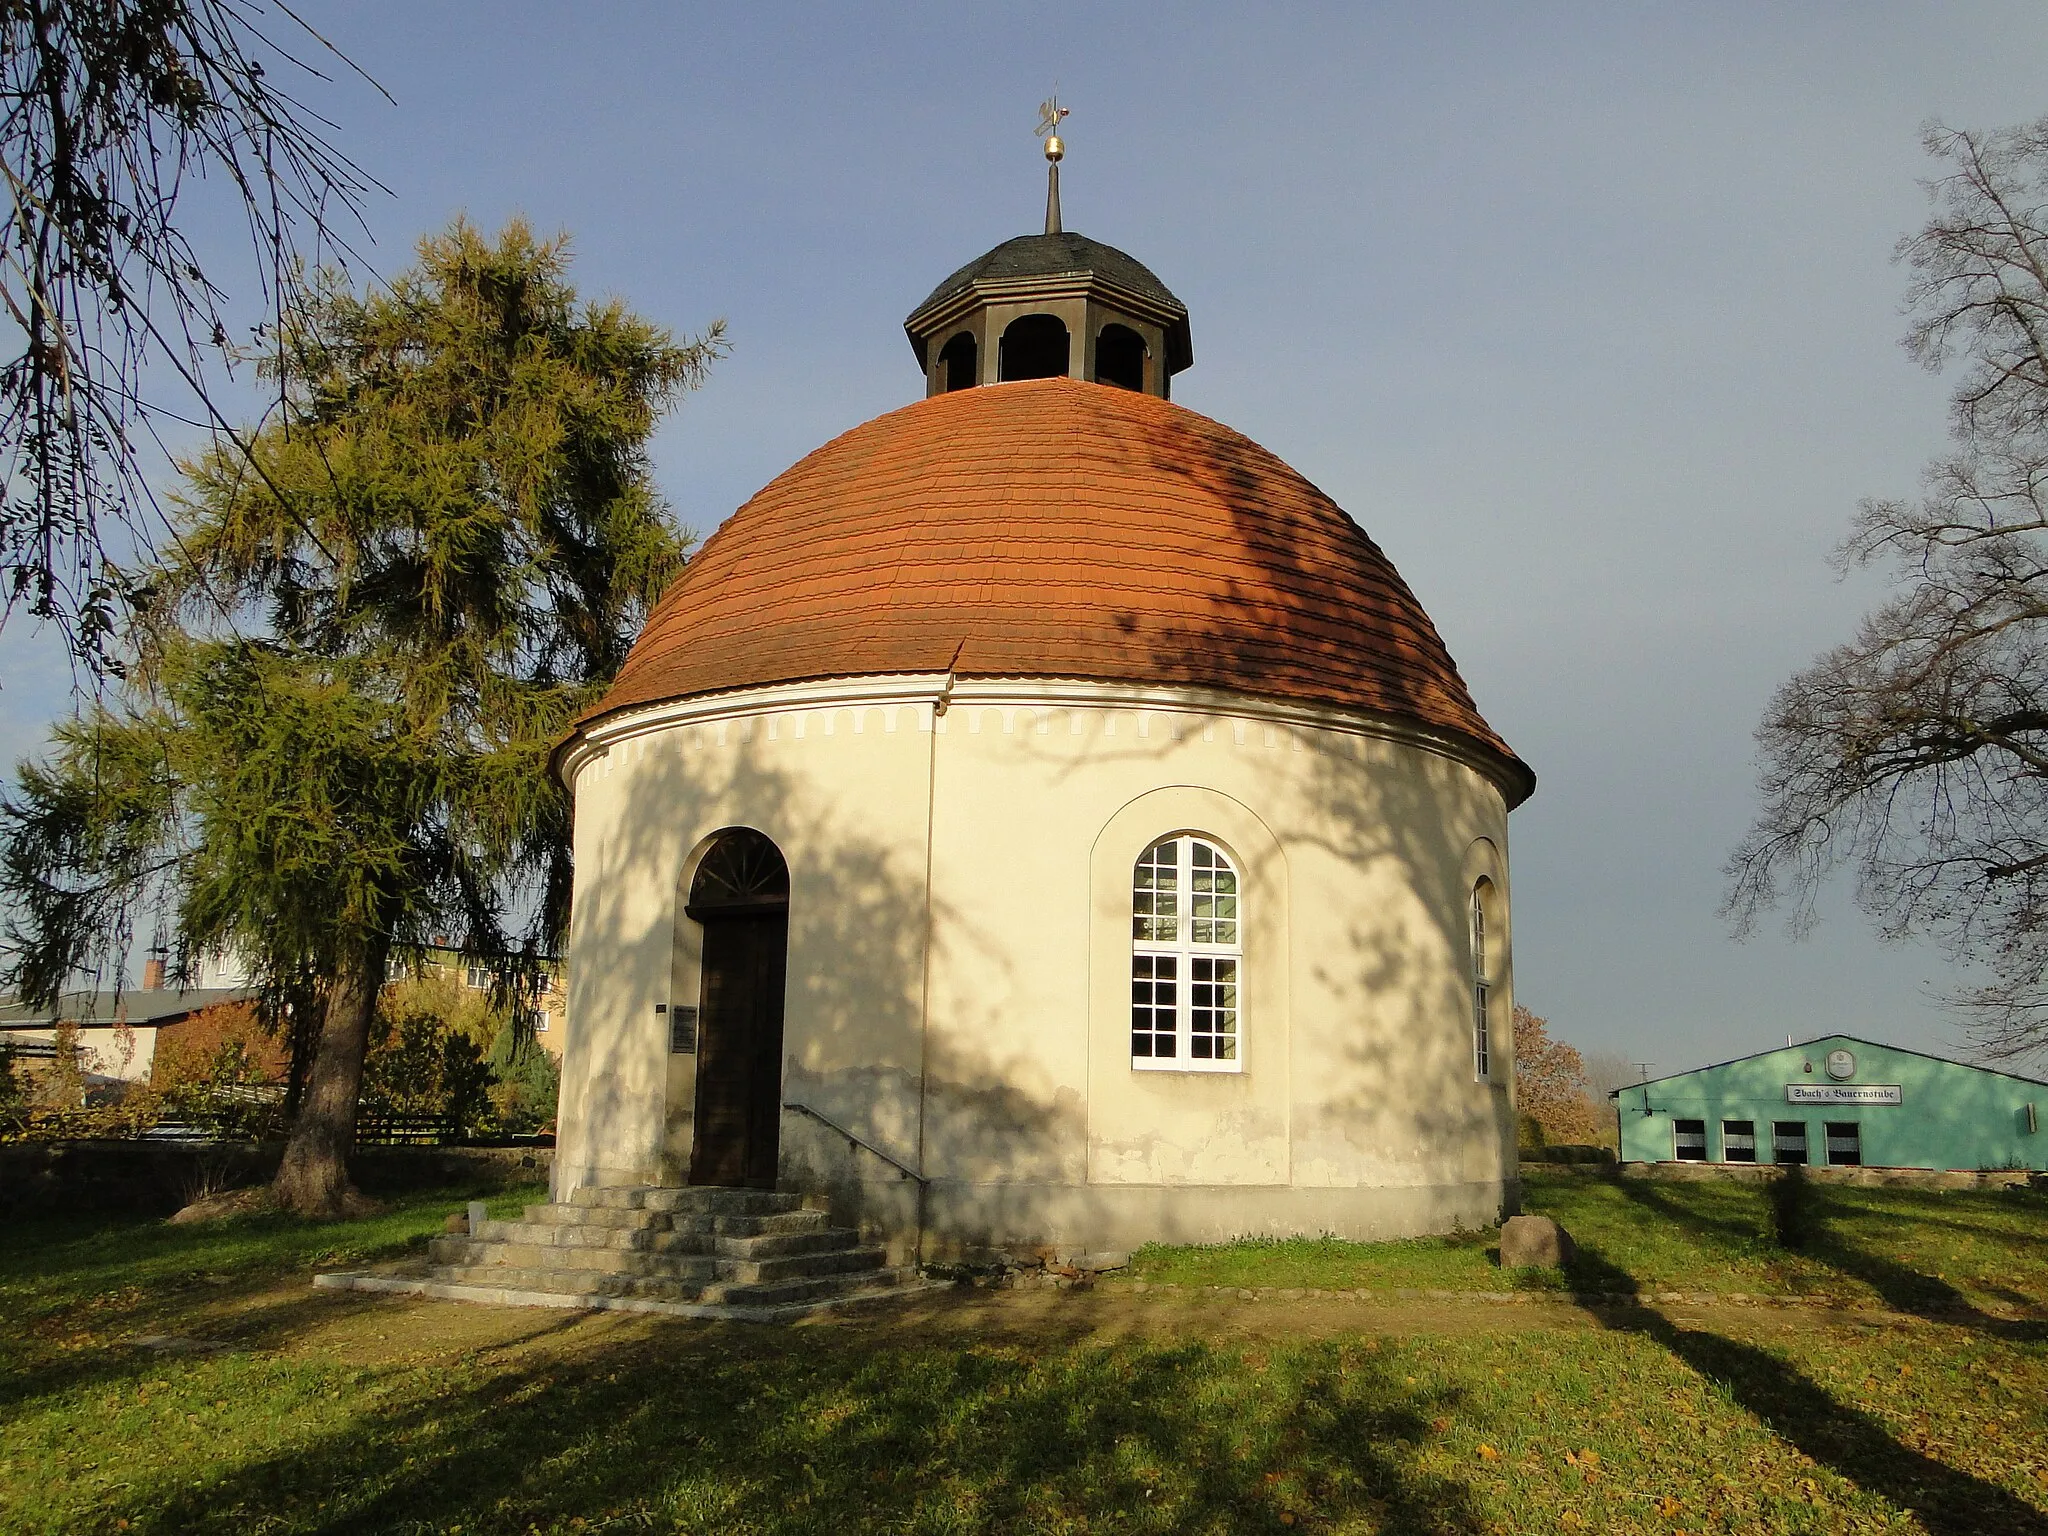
(1055,529)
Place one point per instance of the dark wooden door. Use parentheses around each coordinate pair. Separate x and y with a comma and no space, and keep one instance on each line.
(739,1050)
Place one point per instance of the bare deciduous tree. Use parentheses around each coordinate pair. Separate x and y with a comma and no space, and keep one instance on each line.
(1916,755)
(110,112)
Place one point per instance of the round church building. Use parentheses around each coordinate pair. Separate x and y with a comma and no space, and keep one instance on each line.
(1041,818)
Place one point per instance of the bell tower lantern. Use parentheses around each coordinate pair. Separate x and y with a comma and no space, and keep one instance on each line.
(1051,305)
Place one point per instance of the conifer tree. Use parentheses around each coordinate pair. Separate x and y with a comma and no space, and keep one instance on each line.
(375,617)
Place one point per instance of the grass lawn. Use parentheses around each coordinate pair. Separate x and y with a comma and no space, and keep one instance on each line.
(1892,1247)
(276,1408)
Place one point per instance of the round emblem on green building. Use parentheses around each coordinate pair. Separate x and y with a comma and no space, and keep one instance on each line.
(1841,1065)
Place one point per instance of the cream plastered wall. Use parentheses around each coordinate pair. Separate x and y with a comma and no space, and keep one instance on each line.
(962,854)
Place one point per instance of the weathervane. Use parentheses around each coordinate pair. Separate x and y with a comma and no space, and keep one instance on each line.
(1049,114)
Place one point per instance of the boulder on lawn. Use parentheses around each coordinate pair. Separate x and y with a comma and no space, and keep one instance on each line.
(1534,1242)
(1097,1263)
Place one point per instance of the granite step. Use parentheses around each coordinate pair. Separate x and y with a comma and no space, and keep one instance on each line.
(596,1216)
(782,1293)
(775,1245)
(751,1226)
(705,1200)
(767,1246)
(696,1246)
(552,1234)
(682,1263)
(610,1197)
(800,1266)
(472,1252)
(571,1283)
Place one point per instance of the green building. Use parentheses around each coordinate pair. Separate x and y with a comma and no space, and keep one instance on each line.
(1838,1101)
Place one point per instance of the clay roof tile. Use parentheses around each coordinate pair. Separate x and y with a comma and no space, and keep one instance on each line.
(1054,529)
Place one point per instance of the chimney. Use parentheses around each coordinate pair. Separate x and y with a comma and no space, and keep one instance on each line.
(153,974)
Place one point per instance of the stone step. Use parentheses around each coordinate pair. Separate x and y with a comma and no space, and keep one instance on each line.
(775,1245)
(685,1265)
(569,1282)
(553,1234)
(751,1226)
(782,1293)
(769,1246)
(800,1266)
(704,1200)
(472,1254)
(610,1197)
(596,1216)
(695,1198)
(811,1237)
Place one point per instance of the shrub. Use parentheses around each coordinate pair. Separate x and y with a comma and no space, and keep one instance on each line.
(527,1083)
(200,1048)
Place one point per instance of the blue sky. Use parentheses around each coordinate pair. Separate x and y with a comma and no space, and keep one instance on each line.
(1586,312)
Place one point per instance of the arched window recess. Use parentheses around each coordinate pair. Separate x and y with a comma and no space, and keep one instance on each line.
(1482,981)
(959,363)
(1120,357)
(1187,958)
(1034,347)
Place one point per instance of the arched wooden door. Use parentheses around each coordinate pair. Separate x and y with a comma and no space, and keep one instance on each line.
(741,896)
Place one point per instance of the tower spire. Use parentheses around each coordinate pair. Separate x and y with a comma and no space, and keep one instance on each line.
(1049,114)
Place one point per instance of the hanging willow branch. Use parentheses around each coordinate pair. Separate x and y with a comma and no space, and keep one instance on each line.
(110,111)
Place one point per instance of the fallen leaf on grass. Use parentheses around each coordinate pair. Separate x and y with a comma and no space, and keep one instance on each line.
(1669,1507)
(1488,1453)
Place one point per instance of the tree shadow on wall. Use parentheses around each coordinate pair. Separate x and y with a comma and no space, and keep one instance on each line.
(1415,822)
(855,991)
(710,1427)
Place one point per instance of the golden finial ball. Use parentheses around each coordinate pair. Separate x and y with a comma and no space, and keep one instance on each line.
(1054,149)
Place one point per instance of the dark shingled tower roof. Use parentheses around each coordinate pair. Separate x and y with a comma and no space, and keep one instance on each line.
(1068,255)
(1056,255)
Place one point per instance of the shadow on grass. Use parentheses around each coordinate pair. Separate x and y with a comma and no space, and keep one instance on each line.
(887,1422)
(1744,1231)
(1807,1218)
(78,1290)
(718,1428)
(1854,1444)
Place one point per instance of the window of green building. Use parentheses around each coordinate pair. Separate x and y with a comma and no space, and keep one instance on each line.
(1845,1144)
(1788,1141)
(1690,1137)
(1738,1141)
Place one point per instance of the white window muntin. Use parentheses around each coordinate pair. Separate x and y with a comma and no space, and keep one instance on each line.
(1482,990)
(1187,958)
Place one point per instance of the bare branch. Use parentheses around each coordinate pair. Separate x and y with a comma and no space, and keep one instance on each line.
(109,109)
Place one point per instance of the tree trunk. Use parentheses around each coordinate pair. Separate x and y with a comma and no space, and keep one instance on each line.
(313,1179)
(304,1008)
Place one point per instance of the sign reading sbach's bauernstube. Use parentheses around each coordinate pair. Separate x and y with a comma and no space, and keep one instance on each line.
(1841,1093)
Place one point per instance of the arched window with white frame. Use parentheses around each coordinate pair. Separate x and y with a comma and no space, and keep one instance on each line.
(1482,983)
(1187,958)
